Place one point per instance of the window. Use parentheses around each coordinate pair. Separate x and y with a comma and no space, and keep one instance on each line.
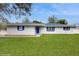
(5,29)
(50,28)
(20,28)
(66,28)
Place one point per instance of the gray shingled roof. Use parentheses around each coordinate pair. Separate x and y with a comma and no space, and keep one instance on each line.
(38,24)
(28,24)
(57,25)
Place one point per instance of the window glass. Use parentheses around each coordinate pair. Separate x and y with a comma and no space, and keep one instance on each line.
(66,28)
(20,28)
(50,28)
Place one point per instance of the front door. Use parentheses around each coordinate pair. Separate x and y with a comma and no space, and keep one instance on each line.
(37,29)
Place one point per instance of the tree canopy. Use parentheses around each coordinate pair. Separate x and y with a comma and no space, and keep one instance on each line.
(3,19)
(35,21)
(53,19)
(26,20)
(2,25)
(15,8)
(62,21)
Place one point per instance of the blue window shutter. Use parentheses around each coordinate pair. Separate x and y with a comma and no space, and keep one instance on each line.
(47,29)
(23,28)
(17,27)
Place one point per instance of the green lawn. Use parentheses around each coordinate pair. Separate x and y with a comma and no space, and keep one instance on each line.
(46,45)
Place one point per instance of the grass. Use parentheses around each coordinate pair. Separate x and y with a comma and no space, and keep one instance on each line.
(46,45)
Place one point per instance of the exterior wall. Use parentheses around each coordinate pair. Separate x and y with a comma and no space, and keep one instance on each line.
(43,30)
(26,31)
(76,30)
(3,32)
(60,31)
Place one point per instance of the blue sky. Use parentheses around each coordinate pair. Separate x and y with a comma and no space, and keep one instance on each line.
(41,12)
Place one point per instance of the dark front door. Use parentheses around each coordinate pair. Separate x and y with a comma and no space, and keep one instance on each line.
(37,30)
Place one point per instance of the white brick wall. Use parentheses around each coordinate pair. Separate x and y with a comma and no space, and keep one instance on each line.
(43,30)
(26,31)
(60,31)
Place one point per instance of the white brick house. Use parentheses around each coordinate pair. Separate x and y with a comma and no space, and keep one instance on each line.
(38,29)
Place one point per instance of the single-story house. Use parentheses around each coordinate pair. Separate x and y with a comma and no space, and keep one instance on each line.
(38,29)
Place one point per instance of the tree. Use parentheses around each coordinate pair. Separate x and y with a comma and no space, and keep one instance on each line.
(3,22)
(17,9)
(35,21)
(26,20)
(2,25)
(3,19)
(62,21)
(52,19)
